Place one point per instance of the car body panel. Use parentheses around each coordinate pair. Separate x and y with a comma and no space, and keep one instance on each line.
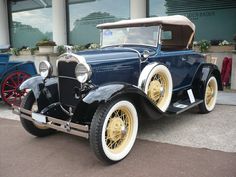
(116,65)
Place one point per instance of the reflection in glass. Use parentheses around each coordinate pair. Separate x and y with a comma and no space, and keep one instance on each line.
(157,8)
(31,22)
(87,14)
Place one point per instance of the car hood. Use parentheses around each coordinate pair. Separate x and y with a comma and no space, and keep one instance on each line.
(109,55)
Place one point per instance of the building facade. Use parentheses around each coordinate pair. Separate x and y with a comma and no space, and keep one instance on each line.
(24,22)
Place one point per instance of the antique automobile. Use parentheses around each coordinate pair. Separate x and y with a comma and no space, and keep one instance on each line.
(12,75)
(144,68)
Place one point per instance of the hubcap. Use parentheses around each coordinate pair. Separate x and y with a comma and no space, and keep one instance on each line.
(118,131)
(155,90)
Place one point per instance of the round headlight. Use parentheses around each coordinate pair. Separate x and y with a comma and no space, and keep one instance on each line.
(83,72)
(45,69)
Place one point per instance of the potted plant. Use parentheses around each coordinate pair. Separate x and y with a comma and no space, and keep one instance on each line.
(46,46)
(204,46)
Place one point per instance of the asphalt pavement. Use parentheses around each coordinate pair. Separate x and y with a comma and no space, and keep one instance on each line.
(62,155)
(185,145)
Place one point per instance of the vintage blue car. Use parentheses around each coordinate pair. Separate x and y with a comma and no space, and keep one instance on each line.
(144,68)
(12,75)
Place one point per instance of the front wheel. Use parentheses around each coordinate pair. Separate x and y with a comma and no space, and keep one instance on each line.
(113,130)
(210,96)
(33,128)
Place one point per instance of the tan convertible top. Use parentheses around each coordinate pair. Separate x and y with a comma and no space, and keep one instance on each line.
(168,20)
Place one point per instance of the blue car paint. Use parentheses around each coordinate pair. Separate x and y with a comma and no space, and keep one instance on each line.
(116,65)
(121,64)
(7,66)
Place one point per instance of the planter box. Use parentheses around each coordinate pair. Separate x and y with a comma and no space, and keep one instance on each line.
(225,48)
(46,49)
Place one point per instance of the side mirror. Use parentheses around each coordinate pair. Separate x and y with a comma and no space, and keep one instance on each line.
(145,55)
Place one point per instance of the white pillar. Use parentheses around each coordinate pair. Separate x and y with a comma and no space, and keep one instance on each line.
(137,9)
(4,28)
(59,21)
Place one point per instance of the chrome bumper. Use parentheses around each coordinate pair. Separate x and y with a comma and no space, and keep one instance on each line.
(54,123)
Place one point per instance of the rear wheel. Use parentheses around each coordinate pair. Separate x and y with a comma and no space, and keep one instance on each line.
(33,128)
(210,96)
(10,92)
(113,130)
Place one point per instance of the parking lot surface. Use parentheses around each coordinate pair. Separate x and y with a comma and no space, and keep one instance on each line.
(215,130)
(62,155)
(189,144)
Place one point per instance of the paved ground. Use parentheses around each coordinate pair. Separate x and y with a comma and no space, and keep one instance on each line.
(61,155)
(169,153)
(213,131)
(227,98)
(216,130)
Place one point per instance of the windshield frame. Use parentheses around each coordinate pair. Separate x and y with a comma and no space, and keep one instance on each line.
(157,41)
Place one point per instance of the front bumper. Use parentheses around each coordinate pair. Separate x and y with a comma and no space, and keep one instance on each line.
(54,123)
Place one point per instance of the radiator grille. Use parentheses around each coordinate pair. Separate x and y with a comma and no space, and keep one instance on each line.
(68,84)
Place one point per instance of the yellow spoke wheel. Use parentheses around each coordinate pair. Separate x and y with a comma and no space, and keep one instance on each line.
(159,86)
(118,131)
(113,130)
(210,96)
(158,89)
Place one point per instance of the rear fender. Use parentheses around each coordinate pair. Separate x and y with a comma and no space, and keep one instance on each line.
(88,105)
(200,80)
(45,91)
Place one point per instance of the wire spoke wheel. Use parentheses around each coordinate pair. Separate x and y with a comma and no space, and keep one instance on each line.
(210,96)
(211,93)
(159,87)
(113,130)
(10,87)
(118,131)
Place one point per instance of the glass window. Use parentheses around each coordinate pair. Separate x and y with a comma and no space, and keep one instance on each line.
(166,35)
(157,8)
(214,20)
(85,15)
(130,35)
(31,22)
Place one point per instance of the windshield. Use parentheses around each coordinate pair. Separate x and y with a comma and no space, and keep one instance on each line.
(130,35)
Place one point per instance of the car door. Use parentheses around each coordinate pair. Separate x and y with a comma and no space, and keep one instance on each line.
(182,67)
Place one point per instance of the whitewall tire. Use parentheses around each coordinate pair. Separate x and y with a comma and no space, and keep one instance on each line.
(210,96)
(159,86)
(113,130)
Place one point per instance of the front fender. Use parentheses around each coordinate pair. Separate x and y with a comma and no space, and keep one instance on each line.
(34,84)
(105,93)
(45,91)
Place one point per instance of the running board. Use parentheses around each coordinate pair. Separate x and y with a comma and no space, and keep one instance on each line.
(55,123)
(181,106)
